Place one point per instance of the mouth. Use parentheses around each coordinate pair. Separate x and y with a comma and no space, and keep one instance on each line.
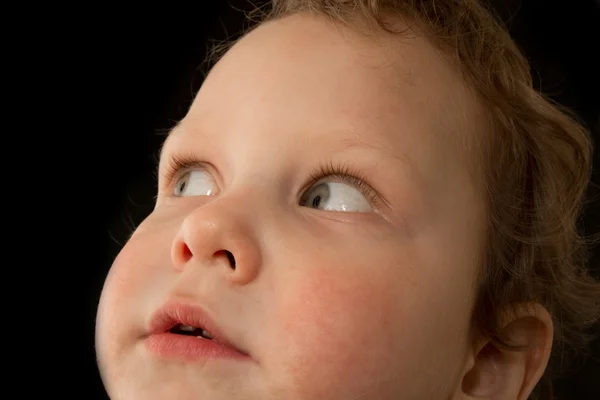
(185,321)
(188,330)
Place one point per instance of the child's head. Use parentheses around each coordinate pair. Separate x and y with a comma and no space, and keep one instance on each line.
(389,211)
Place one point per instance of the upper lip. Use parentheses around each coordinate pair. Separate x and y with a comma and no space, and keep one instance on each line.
(174,313)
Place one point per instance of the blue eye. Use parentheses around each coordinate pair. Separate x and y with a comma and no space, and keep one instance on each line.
(335,196)
(195,183)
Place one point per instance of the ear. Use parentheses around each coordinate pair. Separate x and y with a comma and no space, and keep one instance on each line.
(496,374)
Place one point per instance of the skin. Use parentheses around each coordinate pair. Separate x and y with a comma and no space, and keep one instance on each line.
(373,303)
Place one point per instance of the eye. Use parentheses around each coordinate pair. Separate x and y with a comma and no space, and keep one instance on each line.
(335,196)
(194,183)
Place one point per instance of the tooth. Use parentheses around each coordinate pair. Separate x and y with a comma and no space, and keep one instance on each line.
(187,328)
(206,334)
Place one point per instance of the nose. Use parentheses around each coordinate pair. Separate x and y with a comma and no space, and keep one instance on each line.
(218,234)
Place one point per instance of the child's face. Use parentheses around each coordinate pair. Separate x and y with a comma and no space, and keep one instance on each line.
(372,301)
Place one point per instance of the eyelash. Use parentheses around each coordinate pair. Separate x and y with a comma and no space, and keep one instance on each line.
(346,174)
(180,164)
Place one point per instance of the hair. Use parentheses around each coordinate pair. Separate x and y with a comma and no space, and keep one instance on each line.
(535,161)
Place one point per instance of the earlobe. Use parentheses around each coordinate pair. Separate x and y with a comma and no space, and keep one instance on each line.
(498,374)
(481,378)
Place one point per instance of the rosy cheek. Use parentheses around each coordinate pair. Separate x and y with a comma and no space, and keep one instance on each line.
(336,329)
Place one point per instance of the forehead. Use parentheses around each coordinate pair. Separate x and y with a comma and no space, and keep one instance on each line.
(309,78)
(315,55)
(307,64)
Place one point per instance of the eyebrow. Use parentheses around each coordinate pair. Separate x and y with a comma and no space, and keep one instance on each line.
(168,135)
(414,172)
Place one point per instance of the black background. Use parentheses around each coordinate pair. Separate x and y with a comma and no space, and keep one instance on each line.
(129,74)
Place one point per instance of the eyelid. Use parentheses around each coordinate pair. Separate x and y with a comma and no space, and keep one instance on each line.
(346,174)
(178,165)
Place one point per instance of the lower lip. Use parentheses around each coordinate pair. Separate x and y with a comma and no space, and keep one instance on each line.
(191,348)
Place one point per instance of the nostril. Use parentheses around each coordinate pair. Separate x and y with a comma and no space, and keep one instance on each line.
(187,253)
(229,255)
(230,258)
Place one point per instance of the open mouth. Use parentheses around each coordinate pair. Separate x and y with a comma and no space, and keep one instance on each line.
(176,318)
(188,330)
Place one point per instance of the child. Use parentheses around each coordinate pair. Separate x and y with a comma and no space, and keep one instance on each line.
(366,200)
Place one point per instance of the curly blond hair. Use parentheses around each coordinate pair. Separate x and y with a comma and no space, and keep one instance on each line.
(535,160)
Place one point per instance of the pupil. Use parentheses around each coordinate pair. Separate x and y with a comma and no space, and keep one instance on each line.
(316,201)
(182,185)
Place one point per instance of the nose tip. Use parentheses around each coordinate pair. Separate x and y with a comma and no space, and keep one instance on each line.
(207,237)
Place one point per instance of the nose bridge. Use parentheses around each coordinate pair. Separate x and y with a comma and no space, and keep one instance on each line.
(221,233)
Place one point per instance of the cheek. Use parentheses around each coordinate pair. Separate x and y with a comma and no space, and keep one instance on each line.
(365,322)
(338,334)
(128,291)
